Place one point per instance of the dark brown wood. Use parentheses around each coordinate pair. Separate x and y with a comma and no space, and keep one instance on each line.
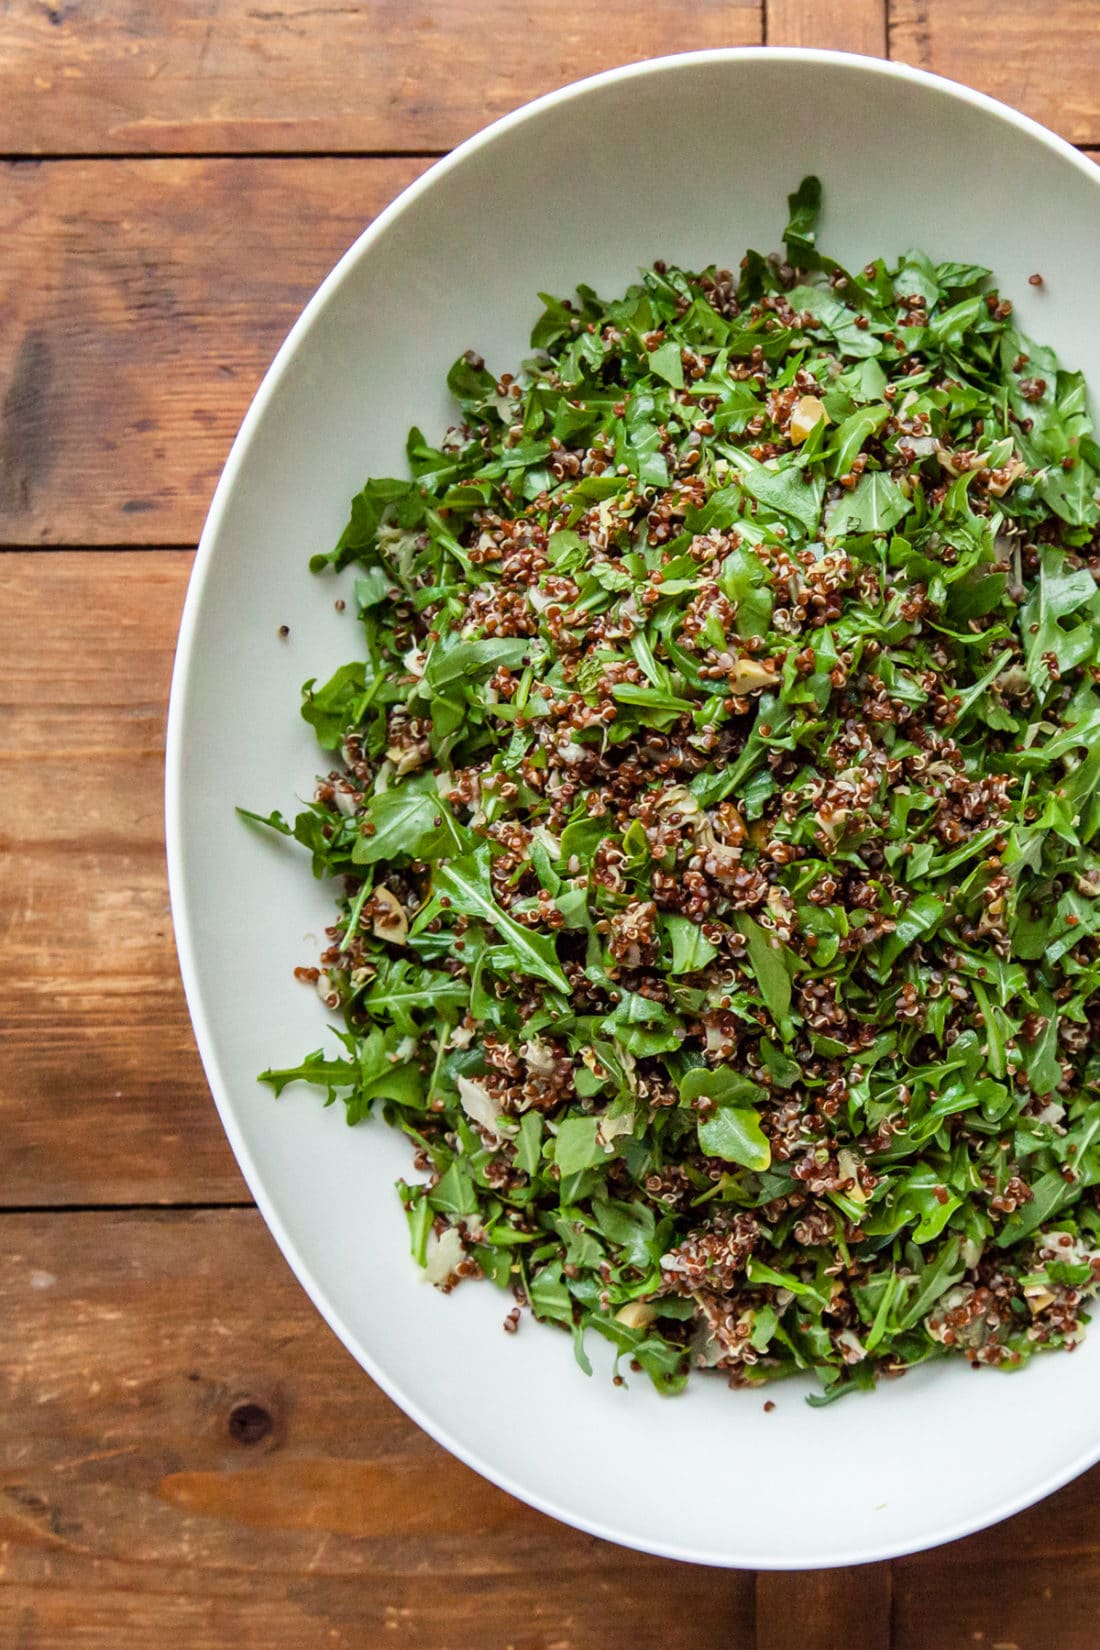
(101,1093)
(188,1457)
(1002,1604)
(839,25)
(144,302)
(847,1609)
(221,75)
(1038,55)
(1033,1581)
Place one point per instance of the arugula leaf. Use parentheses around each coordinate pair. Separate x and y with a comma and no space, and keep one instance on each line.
(835,319)
(529,1142)
(318,1068)
(550,1297)
(734,1133)
(934,1279)
(720,1084)
(691,950)
(466,883)
(576,1145)
(800,235)
(852,435)
(1062,591)
(1048,1195)
(766,958)
(922,915)
(782,489)
(400,990)
(875,504)
(411,820)
(454,658)
(664,361)
(337,706)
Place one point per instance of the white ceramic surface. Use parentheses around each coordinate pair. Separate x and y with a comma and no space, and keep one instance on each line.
(689,159)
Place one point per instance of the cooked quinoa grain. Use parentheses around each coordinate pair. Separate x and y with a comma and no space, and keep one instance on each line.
(713,811)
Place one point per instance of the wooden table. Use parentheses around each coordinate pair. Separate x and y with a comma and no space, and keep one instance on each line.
(188,1456)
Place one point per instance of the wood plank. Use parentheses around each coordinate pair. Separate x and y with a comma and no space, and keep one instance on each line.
(189,1457)
(143,304)
(1039,58)
(838,25)
(824,1609)
(1029,1582)
(218,75)
(102,1097)
(999,1605)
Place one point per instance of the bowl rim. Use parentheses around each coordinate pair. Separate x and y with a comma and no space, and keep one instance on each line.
(184,664)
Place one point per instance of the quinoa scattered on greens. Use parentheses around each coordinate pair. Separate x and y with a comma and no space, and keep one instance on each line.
(715,819)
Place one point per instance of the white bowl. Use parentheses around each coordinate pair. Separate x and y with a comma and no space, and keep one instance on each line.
(690,159)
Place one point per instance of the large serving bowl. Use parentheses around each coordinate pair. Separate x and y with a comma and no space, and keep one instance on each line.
(689,159)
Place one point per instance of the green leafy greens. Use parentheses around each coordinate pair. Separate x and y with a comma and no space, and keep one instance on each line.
(715,820)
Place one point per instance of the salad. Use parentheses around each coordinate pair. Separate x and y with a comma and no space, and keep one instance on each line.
(712,810)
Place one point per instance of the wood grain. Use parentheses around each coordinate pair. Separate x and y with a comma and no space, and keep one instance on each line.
(838,25)
(143,302)
(102,1098)
(1003,1605)
(141,1352)
(1040,58)
(845,1609)
(222,75)
(1031,1583)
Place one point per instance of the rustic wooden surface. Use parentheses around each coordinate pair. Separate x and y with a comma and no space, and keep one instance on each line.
(145,306)
(102,1095)
(144,76)
(1039,55)
(187,1456)
(843,25)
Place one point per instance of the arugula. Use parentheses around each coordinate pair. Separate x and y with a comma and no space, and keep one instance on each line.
(466,885)
(734,1132)
(410,820)
(712,809)
(767,959)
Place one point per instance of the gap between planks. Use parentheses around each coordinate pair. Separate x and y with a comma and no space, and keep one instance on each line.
(843,1609)
(65,157)
(835,25)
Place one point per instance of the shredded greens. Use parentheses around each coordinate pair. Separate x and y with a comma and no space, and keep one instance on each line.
(714,813)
